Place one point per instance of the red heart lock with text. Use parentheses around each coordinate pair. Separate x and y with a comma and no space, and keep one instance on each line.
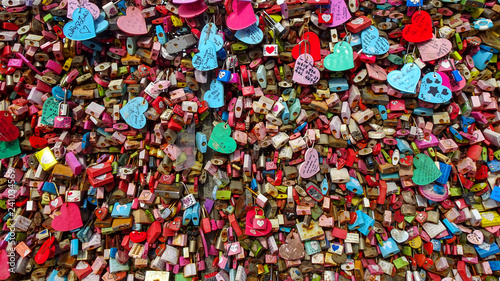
(420,29)
(8,132)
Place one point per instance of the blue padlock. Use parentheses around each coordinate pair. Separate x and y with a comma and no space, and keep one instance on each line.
(436,245)
(494,165)
(481,59)
(354,186)
(338,84)
(420,111)
(224,76)
(452,227)
(495,194)
(160,34)
(74,247)
(445,173)
(201,142)
(404,147)
(382,111)
(389,248)
(486,250)
(121,211)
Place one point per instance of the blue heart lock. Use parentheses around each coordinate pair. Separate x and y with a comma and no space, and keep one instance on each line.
(215,96)
(101,24)
(133,112)
(372,43)
(81,27)
(406,79)
(432,90)
(58,93)
(206,58)
(250,35)
(209,32)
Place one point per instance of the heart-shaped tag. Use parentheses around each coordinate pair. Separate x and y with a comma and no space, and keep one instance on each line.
(215,96)
(434,49)
(101,24)
(339,13)
(432,90)
(81,27)
(206,58)
(192,10)
(341,58)
(311,46)
(399,236)
(454,85)
(221,140)
(69,219)
(38,142)
(75,4)
(293,249)
(8,132)
(133,112)
(50,111)
(133,22)
(420,29)
(58,93)
(425,170)
(250,35)
(406,79)
(210,31)
(476,237)
(304,71)
(311,164)
(372,43)
(242,15)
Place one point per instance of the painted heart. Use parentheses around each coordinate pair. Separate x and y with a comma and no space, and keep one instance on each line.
(54,202)
(260,223)
(372,43)
(81,27)
(133,23)
(310,167)
(425,170)
(242,15)
(209,32)
(341,58)
(250,223)
(304,71)
(8,132)
(192,10)
(420,29)
(326,17)
(270,49)
(75,4)
(406,79)
(206,58)
(476,237)
(432,89)
(339,13)
(399,236)
(311,46)
(293,249)
(250,35)
(215,96)
(221,140)
(434,49)
(133,112)
(69,219)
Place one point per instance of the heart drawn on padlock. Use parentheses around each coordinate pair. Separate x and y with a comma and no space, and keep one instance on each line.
(310,166)
(133,112)
(304,71)
(406,79)
(420,29)
(8,132)
(206,58)
(251,222)
(293,249)
(341,58)
(372,43)
(133,22)
(241,15)
(81,27)
(425,170)
(75,4)
(221,140)
(69,219)
(432,89)
(434,49)
(215,96)
(476,237)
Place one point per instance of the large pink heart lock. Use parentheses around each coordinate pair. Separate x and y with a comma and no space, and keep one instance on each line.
(434,49)
(193,9)
(133,23)
(242,15)
(250,222)
(69,219)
